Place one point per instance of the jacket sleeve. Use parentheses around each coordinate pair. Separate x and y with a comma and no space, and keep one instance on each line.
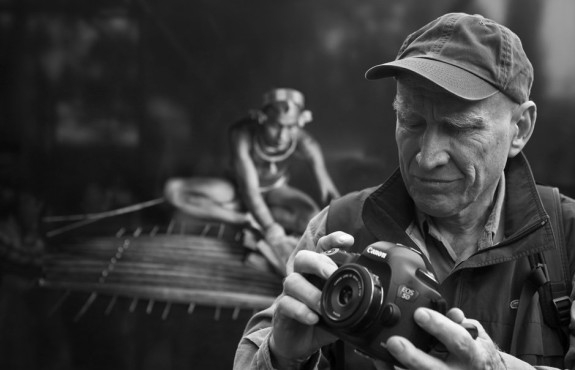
(253,350)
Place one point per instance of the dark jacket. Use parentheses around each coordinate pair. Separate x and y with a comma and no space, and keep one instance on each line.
(488,285)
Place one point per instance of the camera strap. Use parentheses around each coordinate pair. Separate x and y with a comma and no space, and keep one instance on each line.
(552,284)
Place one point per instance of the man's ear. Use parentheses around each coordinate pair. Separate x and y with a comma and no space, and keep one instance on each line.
(524,122)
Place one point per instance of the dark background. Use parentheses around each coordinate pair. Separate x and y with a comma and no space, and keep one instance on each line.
(102,101)
(105,100)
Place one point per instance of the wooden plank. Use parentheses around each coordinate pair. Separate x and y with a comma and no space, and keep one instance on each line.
(203,297)
(189,268)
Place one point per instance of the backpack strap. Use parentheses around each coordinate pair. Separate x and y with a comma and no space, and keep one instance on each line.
(549,276)
(552,202)
(554,294)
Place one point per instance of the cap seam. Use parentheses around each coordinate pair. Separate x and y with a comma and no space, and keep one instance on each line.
(506,58)
(446,35)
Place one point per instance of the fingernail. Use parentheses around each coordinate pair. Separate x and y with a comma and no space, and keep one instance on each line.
(328,270)
(395,346)
(344,238)
(312,319)
(421,315)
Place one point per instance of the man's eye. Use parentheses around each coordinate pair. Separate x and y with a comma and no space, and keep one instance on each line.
(464,125)
(412,124)
(458,129)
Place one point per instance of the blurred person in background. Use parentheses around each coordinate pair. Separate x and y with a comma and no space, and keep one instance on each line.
(257,193)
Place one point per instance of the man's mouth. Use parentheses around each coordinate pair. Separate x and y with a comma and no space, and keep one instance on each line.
(434,182)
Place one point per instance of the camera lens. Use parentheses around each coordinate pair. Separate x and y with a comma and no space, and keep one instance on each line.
(351,298)
(345,295)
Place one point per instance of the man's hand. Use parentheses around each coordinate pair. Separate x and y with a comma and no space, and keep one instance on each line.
(294,334)
(463,352)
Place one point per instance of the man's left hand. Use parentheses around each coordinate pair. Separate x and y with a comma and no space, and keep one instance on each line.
(463,351)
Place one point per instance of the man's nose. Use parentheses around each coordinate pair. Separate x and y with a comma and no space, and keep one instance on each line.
(433,149)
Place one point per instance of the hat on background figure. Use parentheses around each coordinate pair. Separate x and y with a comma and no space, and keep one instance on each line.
(470,56)
(283,94)
(286,106)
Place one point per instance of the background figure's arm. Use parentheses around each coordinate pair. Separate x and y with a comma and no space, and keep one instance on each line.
(248,182)
(311,150)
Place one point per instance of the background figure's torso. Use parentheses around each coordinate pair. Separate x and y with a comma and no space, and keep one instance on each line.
(272,169)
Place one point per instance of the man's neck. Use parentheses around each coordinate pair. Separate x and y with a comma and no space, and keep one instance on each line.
(464,231)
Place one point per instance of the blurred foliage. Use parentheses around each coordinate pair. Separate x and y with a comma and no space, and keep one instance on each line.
(121,95)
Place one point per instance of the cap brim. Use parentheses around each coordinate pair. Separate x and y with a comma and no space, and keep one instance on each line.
(454,79)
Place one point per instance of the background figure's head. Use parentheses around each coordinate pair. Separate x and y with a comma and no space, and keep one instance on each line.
(282,114)
(462,109)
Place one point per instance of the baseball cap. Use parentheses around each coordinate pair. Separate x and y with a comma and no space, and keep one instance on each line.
(470,56)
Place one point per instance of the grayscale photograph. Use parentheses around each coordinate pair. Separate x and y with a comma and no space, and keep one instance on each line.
(313,185)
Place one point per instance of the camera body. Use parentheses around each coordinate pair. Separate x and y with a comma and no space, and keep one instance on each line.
(373,295)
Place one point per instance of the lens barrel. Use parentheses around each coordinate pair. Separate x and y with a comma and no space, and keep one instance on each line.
(352,298)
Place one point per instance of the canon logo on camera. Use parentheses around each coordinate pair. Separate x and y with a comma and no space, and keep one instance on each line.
(376,252)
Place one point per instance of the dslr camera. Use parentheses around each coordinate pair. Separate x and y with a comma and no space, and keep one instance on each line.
(373,295)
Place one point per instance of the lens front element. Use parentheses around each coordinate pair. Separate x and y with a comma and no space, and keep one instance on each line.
(345,295)
(351,298)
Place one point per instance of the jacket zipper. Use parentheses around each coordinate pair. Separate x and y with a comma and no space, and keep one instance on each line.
(522,233)
(519,235)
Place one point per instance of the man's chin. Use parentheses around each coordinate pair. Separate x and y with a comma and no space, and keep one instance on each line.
(436,206)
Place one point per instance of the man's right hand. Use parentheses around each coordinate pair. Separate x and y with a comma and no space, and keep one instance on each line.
(295,337)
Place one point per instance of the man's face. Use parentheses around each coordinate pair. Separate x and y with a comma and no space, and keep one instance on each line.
(452,152)
(281,124)
(278,134)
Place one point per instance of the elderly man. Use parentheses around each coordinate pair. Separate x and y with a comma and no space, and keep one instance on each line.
(463,197)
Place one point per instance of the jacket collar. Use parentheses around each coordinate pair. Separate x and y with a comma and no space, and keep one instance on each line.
(527,230)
